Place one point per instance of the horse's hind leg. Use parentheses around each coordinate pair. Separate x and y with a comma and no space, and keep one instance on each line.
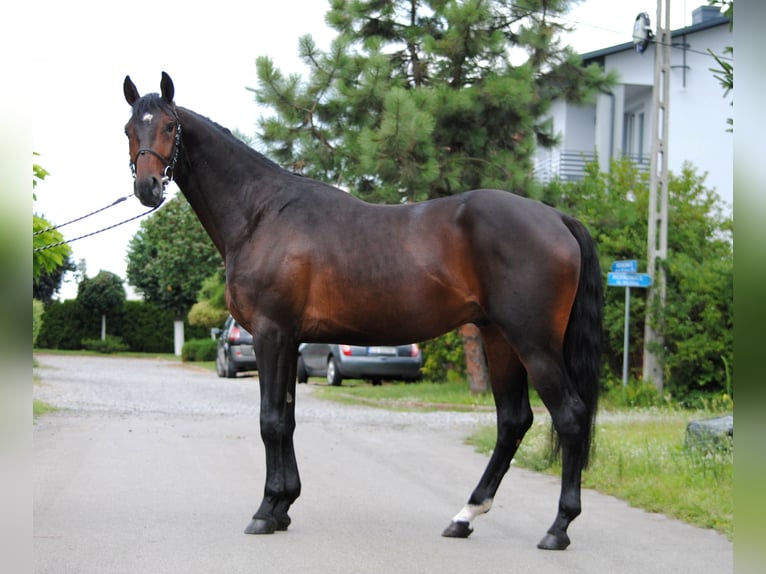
(571,421)
(514,417)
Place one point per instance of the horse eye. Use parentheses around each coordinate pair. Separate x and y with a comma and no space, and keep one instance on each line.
(170,127)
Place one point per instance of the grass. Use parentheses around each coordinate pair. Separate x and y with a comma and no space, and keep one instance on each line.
(406,396)
(639,455)
(128,354)
(425,396)
(40,408)
(641,458)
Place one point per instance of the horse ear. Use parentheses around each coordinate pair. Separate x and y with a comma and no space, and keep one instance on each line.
(130,91)
(167,88)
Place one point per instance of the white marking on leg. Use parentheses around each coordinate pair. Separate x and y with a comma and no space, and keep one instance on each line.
(471,511)
(147,118)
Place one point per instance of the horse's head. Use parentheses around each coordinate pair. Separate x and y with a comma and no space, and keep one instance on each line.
(154,133)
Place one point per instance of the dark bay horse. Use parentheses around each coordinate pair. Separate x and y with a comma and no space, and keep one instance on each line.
(306,261)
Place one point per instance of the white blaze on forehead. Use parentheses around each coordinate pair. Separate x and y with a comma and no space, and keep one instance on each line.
(147,118)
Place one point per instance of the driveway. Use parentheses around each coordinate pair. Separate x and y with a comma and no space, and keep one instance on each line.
(155,467)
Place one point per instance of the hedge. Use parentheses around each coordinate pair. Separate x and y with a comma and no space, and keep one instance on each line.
(199,350)
(143,327)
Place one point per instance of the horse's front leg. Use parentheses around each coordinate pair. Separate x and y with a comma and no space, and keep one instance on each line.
(276,372)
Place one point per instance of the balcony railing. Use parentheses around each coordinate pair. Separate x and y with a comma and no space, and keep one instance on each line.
(569,165)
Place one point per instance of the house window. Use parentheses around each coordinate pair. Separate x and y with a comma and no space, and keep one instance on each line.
(633,136)
(628,134)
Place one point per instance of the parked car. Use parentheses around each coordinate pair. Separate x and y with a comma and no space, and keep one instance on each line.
(338,362)
(235,349)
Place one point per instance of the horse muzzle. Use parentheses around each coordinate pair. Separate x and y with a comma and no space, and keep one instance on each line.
(150,190)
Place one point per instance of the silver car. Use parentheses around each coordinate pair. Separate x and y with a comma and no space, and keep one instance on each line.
(376,363)
(235,349)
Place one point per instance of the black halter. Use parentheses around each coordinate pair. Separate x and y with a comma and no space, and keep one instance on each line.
(170,164)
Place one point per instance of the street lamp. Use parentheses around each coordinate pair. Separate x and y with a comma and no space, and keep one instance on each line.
(642,32)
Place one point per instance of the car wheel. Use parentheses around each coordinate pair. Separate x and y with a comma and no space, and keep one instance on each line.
(219,370)
(231,369)
(333,374)
(303,376)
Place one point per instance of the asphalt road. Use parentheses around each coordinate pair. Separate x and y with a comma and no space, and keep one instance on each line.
(155,467)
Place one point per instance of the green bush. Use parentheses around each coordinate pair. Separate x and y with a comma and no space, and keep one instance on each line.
(199,350)
(146,327)
(636,393)
(443,358)
(108,345)
(698,318)
(38,310)
(66,325)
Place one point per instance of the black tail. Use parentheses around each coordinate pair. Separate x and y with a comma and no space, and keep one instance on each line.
(582,342)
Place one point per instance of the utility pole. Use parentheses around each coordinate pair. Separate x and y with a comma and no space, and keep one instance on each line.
(657,240)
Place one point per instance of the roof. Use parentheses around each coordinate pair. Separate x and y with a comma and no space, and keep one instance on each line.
(708,23)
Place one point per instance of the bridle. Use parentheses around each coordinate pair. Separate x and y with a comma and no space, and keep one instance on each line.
(167,174)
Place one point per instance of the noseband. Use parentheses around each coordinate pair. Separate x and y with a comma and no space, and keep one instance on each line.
(167,174)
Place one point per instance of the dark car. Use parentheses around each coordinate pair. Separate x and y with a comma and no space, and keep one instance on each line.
(378,363)
(235,349)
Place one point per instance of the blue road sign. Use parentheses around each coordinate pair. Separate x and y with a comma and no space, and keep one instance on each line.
(627,266)
(621,279)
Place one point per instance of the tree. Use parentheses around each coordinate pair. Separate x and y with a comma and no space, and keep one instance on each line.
(104,294)
(49,282)
(725,72)
(418,99)
(210,309)
(38,310)
(698,317)
(47,262)
(169,257)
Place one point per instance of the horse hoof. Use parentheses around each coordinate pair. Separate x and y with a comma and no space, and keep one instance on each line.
(554,542)
(458,529)
(262,526)
(283,522)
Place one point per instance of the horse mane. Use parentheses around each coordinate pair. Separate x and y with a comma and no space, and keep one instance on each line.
(251,152)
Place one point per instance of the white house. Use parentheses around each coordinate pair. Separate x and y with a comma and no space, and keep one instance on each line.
(620,123)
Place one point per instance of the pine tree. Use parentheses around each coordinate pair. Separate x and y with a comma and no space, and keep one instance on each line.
(419,99)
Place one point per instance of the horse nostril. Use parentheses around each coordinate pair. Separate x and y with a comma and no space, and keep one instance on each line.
(148,190)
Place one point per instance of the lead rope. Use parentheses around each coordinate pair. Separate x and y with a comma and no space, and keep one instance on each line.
(167,178)
(52,227)
(59,243)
